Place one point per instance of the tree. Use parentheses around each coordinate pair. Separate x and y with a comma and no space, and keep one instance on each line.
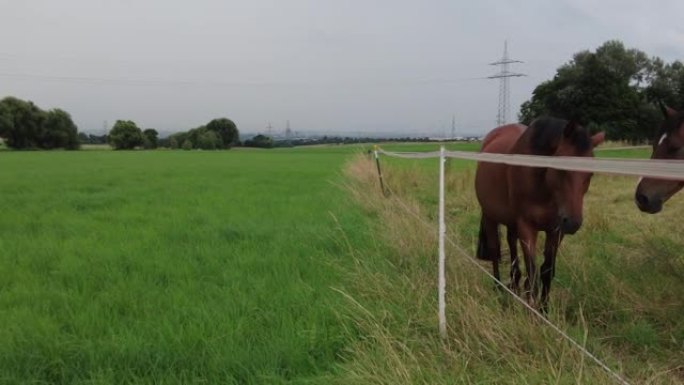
(59,131)
(176,140)
(666,83)
(194,134)
(226,130)
(612,89)
(217,134)
(125,135)
(83,138)
(172,142)
(21,123)
(150,138)
(261,141)
(208,140)
(25,126)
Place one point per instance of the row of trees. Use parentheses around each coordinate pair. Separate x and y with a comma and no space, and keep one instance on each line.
(220,133)
(24,125)
(613,89)
(260,141)
(91,139)
(126,135)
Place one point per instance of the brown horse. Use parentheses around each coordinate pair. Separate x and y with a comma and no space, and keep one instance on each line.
(668,144)
(531,199)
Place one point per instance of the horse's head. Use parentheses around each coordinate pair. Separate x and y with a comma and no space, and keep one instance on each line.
(668,144)
(568,187)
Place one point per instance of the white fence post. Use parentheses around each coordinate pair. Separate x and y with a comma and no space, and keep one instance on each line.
(442,254)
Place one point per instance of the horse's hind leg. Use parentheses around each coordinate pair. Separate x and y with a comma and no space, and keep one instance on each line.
(489,245)
(512,238)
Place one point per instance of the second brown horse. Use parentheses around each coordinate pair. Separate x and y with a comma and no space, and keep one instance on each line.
(528,200)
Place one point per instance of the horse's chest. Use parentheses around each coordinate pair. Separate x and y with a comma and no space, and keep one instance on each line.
(542,216)
(535,207)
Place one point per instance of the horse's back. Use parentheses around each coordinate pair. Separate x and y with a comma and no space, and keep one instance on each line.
(491,180)
(501,139)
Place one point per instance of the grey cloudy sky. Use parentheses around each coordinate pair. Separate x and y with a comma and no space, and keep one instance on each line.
(326,66)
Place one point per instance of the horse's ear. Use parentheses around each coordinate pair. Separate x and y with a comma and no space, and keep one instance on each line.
(597,139)
(570,128)
(667,111)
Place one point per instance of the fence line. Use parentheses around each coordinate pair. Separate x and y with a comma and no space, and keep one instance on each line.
(661,169)
(676,173)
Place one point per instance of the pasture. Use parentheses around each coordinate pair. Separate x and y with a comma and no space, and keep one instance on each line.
(617,289)
(288,266)
(171,267)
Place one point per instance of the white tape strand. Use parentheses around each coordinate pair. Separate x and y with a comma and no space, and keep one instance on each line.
(650,168)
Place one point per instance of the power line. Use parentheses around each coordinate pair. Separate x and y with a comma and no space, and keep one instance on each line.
(453,127)
(114,81)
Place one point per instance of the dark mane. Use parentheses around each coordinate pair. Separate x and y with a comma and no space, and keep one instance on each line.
(547,133)
(672,123)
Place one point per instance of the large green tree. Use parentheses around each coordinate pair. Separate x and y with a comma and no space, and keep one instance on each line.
(226,130)
(24,126)
(125,135)
(21,123)
(60,131)
(666,83)
(612,89)
(150,138)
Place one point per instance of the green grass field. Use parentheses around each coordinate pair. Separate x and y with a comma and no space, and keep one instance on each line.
(170,266)
(288,266)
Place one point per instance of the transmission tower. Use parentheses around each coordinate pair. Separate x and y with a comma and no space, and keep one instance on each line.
(453,127)
(269,128)
(504,92)
(288,131)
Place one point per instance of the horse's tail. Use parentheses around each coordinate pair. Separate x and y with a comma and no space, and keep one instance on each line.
(482,242)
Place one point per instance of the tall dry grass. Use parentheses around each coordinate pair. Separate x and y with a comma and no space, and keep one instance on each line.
(618,292)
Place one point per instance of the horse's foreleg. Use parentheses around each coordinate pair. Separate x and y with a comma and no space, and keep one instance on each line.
(548,268)
(528,240)
(512,238)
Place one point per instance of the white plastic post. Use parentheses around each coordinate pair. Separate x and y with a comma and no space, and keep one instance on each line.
(442,254)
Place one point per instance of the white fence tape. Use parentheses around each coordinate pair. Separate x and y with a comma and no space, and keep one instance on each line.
(661,169)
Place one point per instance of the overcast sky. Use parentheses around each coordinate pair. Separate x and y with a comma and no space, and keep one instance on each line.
(355,66)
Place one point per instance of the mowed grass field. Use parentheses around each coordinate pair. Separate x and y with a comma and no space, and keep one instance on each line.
(289,266)
(172,267)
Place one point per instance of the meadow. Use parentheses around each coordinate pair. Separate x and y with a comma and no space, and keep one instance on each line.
(171,266)
(290,266)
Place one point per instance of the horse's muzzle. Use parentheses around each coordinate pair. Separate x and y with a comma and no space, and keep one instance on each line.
(569,225)
(648,205)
